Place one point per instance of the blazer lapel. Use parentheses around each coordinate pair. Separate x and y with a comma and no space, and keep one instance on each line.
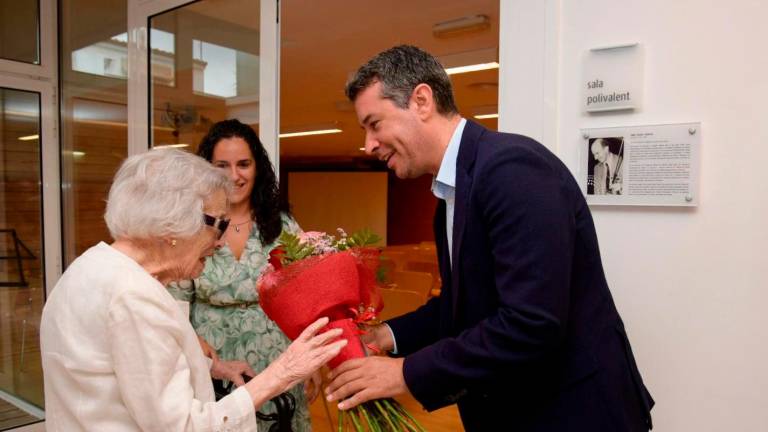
(464,165)
(441,244)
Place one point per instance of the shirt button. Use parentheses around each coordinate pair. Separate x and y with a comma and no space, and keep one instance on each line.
(225,419)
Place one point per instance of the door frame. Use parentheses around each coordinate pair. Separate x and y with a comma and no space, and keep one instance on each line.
(139,13)
(49,65)
(49,166)
(43,79)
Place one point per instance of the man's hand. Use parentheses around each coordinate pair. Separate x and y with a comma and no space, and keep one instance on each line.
(380,336)
(312,386)
(360,380)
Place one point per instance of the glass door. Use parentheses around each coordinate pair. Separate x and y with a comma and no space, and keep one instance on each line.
(30,258)
(30,196)
(200,62)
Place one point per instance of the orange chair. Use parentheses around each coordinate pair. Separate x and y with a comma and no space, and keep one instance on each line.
(398,302)
(398,257)
(427,245)
(418,282)
(430,267)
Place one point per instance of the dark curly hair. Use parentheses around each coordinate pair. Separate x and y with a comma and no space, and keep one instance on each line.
(266,204)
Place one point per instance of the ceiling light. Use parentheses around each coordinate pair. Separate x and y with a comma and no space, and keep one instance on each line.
(362,149)
(310,132)
(486,116)
(471,68)
(170,146)
(462,25)
(484,112)
(29,137)
(76,153)
(470,61)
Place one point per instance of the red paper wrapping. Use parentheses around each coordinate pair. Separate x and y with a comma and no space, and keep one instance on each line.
(338,286)
(354,347)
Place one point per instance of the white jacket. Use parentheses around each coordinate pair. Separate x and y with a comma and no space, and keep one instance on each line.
(119,354)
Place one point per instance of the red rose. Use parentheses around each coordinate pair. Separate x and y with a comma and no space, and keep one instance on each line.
(276,257)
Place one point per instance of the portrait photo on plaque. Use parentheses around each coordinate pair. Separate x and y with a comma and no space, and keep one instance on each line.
(650,165)
(605,157)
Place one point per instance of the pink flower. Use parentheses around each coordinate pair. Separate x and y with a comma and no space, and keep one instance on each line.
(311,236)
(320,242)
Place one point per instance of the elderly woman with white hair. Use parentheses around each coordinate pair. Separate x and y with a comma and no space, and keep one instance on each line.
(119,353)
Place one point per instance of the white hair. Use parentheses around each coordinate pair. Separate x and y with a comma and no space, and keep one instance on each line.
(161,193)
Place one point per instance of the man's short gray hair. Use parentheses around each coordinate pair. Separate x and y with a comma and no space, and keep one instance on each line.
(400,69)
(161,193)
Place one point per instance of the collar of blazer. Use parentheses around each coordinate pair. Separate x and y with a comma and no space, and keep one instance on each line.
(465,162)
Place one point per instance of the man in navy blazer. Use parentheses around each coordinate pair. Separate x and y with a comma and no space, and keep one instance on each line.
(525,335)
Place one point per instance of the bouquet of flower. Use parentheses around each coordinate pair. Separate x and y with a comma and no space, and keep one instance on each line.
(315,274)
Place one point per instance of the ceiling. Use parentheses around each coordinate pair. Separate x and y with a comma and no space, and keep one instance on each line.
(324,42)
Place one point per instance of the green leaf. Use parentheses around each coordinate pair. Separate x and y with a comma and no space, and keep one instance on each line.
(364,237)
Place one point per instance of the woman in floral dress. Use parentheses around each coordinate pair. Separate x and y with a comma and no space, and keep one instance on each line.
(225,308)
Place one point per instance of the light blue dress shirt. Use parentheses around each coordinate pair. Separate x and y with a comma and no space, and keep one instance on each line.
(444,184)
(444,187)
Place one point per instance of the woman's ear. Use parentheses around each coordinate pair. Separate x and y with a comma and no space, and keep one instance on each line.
(165,242)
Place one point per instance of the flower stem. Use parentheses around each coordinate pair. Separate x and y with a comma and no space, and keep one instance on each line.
(397,410)
(378,419)
(396,416)
(353,416)
(384,412)
(373,427)
(341,420)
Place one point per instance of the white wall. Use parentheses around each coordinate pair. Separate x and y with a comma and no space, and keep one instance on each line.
(691,284)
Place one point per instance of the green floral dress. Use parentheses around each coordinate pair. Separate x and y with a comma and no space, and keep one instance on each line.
(225,312)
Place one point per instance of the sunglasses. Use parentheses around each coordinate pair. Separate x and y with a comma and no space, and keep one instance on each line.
(219,224)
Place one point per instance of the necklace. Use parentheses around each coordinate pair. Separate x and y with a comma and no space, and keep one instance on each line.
(237,225)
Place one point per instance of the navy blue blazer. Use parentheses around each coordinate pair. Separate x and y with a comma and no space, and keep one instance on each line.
(525,333)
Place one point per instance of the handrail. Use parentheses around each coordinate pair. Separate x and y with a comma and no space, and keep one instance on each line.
(18,247)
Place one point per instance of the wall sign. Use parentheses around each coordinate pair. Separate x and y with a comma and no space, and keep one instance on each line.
(641,165)
(613,78)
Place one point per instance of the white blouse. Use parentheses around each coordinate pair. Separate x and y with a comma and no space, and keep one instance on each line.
(119,354)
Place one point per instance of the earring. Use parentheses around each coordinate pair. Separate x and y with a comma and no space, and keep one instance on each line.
(173,242)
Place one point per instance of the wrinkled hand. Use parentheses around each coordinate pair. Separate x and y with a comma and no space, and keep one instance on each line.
(306,354)
(312,386)
(360,380)
(231,370)
(227,370)
(208,350)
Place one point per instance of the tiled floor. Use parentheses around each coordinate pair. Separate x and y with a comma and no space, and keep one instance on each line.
(10,416)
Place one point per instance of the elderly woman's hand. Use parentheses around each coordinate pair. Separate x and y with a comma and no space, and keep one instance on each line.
(231,371)
(208,350)
(223,369)
(303,357)
(307,353)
